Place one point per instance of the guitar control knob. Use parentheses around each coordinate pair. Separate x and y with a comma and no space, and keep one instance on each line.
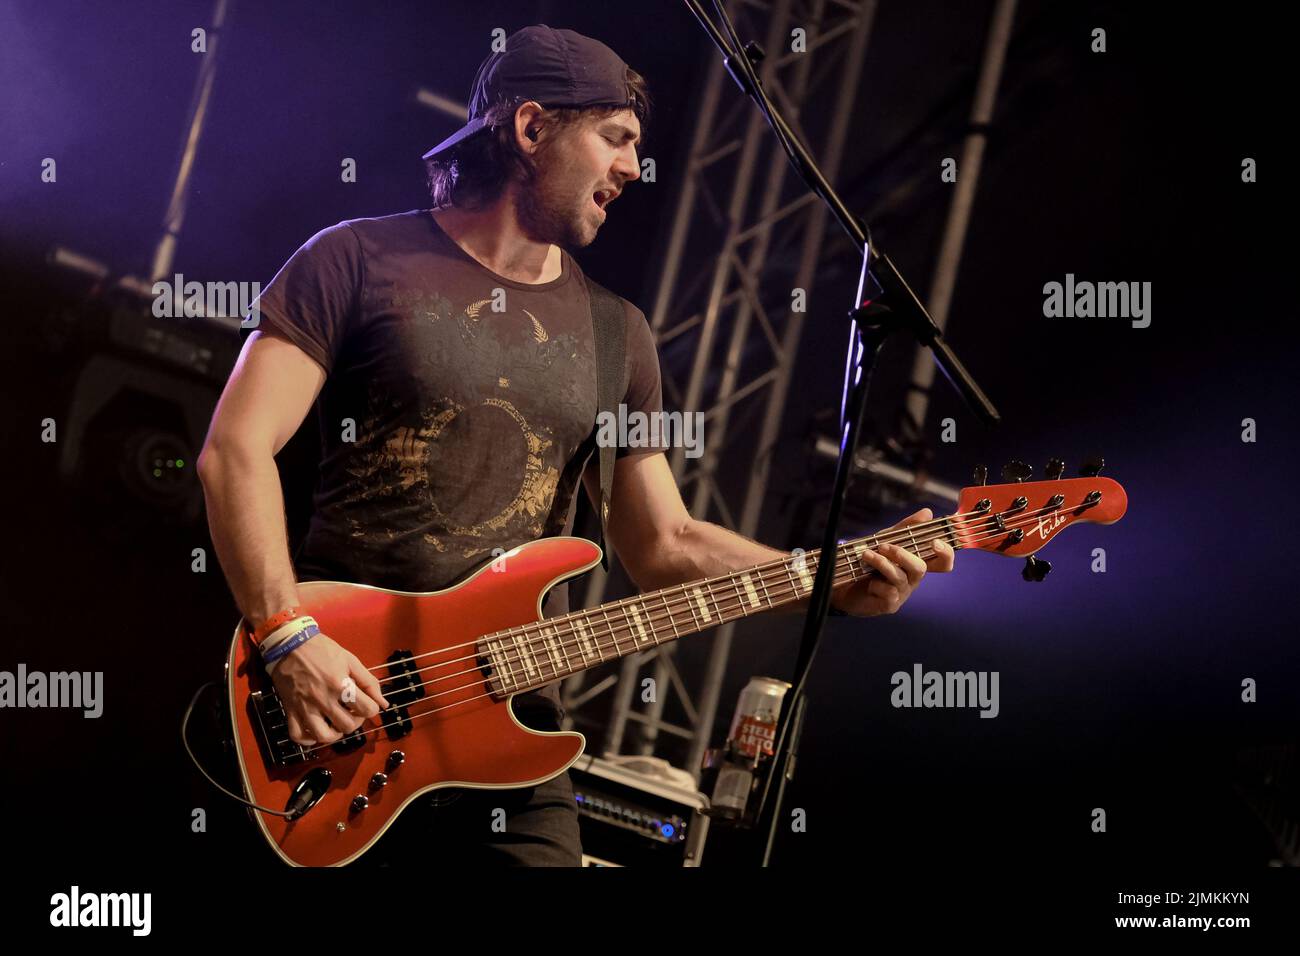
(378,781)
(396,759)
(359,803)
(1035,570)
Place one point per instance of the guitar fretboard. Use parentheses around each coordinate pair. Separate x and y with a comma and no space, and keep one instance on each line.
(529,656)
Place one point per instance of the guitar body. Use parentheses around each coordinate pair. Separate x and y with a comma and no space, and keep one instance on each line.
(458,733)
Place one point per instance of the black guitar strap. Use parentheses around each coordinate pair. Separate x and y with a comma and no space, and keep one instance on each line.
(609,328)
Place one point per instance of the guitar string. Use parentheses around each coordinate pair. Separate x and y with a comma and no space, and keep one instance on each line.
(723,609)
(647,614)
(582,619)
(781,569)
(775,564)
(840,577)
(763,568)
(652,616)
(843,574)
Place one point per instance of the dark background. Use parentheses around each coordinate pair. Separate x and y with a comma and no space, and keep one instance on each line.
(1118,690)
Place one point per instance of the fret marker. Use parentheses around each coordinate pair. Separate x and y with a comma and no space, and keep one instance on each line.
(525,655)
(498,655)
(801,568)
(699,599)
(584,642)
(636,619)
(548,635)
(749,590)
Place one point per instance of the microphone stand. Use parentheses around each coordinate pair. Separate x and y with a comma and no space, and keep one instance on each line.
(884,304)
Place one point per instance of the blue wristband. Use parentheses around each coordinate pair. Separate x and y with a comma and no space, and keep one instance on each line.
(291,644)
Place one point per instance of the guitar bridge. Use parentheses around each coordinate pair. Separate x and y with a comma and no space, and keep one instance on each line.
(273,730)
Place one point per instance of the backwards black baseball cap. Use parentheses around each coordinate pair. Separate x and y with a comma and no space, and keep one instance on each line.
(556,68)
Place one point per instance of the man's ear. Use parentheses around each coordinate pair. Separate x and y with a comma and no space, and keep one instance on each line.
(526,118)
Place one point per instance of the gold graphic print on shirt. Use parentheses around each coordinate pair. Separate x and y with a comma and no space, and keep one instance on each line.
(472,310)
(470,499)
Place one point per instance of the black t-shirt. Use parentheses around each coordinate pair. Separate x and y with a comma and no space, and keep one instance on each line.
(458,407)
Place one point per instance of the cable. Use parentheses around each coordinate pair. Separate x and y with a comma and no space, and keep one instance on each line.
(185,740)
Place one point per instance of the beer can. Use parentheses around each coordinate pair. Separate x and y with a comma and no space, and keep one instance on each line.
(753,728)
(750,743)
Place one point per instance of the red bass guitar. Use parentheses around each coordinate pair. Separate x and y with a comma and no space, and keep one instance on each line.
(450,661)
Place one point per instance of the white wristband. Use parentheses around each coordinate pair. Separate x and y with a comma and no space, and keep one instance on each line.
(280,635)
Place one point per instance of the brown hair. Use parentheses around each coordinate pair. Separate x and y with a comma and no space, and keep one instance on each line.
(475,172)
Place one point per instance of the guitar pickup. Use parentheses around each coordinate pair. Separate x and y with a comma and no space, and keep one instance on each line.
(351,741)
(397,722)
(402,688)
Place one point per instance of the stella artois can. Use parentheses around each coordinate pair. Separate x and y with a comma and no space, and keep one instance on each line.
(750,742)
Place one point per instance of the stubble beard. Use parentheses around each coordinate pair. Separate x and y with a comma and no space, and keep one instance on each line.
(547,210)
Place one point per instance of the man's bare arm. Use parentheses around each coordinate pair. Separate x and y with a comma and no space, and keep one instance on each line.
(660,544)
(265,401)
(656,538)
(270,390)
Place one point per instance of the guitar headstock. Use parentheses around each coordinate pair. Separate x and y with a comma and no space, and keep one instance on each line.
(1018,517)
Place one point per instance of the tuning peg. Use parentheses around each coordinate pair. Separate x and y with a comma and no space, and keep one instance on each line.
(1016,470)
(1035,570)
(1055,468)
(981,475)
(1092,467)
